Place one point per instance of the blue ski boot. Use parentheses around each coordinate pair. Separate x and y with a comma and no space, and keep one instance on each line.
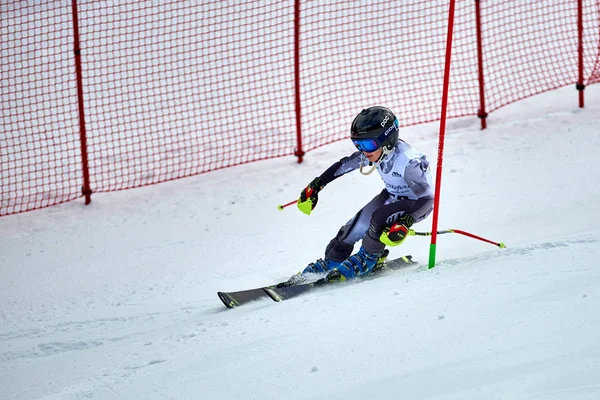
(357,264)
(321,266)
(318,267)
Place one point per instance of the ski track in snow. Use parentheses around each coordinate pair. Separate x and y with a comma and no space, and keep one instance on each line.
(153,337)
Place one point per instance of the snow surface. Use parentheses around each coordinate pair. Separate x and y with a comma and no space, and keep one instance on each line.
(117,300)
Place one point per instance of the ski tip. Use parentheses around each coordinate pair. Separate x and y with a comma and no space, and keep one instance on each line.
(227,300)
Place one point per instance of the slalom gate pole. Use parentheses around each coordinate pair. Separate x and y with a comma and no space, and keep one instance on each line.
(280,207)
(440,160)
(499,244)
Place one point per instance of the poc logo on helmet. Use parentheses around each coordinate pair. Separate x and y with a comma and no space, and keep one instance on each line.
(385,120)
(390,129)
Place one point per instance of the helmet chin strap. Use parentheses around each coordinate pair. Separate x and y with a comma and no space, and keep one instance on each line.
(369,171)
(384,153)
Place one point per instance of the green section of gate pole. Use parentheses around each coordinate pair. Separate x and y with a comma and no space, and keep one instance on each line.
(432,255)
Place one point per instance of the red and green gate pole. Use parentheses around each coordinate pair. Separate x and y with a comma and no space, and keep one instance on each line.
(438,181)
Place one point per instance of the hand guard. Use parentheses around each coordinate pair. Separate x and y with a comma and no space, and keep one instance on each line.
(397,233)
(310,196)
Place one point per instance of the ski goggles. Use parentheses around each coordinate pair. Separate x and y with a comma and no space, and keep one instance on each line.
(369,145)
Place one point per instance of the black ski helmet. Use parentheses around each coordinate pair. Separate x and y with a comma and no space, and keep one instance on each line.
(376,123)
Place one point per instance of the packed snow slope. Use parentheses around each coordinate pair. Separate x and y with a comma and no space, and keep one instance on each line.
(117,300)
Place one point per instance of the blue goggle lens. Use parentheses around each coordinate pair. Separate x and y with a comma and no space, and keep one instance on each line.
(372,144)
(368,145)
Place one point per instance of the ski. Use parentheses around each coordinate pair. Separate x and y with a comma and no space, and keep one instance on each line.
(285,293)
(239,298)
(236,299)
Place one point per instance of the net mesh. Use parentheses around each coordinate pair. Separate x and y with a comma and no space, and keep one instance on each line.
(173,89)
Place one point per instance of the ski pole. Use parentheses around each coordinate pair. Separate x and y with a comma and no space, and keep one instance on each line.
(499,244)
(280,207)
(411,232)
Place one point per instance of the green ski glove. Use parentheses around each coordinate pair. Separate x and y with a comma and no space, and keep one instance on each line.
(310,196)
(397,233)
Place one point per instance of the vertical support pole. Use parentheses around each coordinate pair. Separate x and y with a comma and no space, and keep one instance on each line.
(299,152)
(481,113)
(438,181)
(580,86)
(86,191)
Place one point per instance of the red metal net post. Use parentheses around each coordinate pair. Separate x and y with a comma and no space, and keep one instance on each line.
(299,152)
(580,86)
(86,191)
(481,113)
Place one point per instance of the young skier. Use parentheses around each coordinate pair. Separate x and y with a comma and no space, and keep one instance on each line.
(385,220)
